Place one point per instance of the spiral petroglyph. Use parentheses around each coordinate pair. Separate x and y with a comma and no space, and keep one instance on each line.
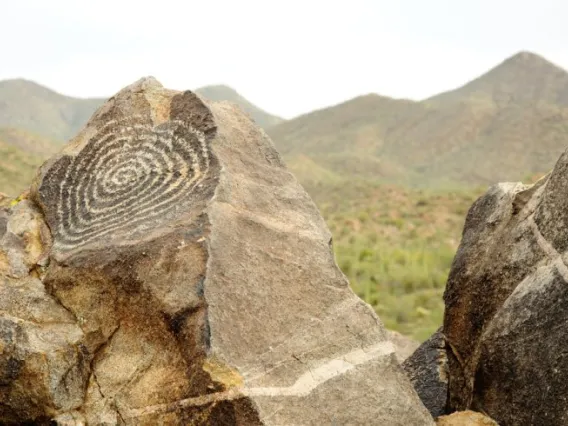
(129,178)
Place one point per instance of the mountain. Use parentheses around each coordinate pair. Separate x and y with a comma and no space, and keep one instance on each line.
(506,124)
(29,106)
(34,108)
(226,93)
(521,79)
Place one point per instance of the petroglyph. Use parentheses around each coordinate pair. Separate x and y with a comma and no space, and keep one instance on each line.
(131,177)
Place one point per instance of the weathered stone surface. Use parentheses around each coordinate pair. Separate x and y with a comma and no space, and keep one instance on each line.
(4,200)
(404,346)
(427,369)
(465,418)
(24,240)
(42,364)
(505,318)
(193,282)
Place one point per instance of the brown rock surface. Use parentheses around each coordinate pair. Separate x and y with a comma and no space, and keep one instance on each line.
(427,369)
(187,279)
(4,200)
(506,311)
(465,418)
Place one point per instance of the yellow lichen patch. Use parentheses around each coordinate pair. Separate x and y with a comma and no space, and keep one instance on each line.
(23,196)
(222,374)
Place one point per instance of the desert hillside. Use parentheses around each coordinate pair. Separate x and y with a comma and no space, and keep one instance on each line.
(29,106)
(508,123)
(20,156)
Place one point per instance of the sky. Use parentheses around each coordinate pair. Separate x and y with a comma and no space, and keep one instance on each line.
(288,57)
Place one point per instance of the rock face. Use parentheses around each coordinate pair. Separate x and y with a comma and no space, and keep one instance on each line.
(427,369)
(186,279)
(506,304)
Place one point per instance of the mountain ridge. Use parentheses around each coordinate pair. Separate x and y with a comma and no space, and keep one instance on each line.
(30,106)
(509,122)
(522,77)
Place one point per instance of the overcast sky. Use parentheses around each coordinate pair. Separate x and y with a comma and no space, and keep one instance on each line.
(288,57)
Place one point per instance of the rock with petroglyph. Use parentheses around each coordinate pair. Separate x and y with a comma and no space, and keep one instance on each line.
(427,369)
(506,310)
(190,280)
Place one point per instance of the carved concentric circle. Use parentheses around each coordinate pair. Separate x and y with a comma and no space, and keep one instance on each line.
(129,178)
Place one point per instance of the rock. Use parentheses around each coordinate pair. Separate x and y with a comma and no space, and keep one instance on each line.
(42,367)
(191,281)
(465,418)
(404,346)
(427,369)
(506,304)
(4,200)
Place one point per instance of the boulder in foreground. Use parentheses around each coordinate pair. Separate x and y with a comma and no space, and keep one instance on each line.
(187,278)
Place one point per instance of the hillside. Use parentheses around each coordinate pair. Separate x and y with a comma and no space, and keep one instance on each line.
(510,122)
(29,106)
(524,78)
(17,168)
(34,108)
(28,142)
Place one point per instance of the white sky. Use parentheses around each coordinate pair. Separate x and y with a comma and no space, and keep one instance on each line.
(288,57)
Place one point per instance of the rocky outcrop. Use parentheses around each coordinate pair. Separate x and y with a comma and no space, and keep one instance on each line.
(168,269)
(427,369)
(465,418)
(506,311)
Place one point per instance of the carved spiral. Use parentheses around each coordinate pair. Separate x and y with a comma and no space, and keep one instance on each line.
(130,177)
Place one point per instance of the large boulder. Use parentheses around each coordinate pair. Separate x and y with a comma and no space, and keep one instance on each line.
(506,304)
(187,278)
